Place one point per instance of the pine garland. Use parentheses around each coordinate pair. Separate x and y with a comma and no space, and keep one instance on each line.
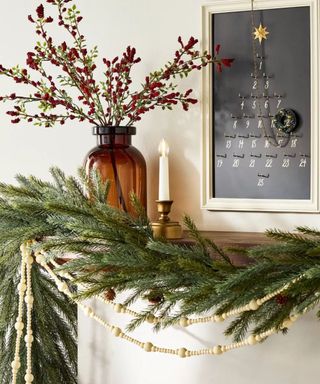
(116,251)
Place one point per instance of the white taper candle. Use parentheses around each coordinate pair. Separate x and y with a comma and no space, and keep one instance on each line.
(164,190)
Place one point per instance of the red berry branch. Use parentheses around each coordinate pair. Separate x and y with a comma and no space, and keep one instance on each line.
(75,93)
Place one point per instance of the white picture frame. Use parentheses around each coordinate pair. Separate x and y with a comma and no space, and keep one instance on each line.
(208,201)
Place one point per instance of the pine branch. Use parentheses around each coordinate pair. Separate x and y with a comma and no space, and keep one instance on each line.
(204,243)
(296,238)
(309,231)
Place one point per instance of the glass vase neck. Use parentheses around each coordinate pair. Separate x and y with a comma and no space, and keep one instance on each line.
(111,140)
(114,135)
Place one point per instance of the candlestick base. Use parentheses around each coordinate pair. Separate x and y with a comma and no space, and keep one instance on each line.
(164,227)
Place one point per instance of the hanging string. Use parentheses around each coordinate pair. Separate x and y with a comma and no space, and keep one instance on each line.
(271,140)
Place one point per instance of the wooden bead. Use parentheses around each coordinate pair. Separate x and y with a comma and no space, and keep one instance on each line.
(218,319)
(19,325)
(29,378)
(258,338)
(22,287)
(117,331)
(118,307)
(40,259)
(23,248)
(253,305)
(184,322)
(19,333)
(252,340)
(182,352)
(217,350)
(148,346)
(15,365)
(29,339)
(30,260)
(151,319)
(29,299)
(287,323)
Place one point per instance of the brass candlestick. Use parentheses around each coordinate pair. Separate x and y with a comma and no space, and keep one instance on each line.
(164,227)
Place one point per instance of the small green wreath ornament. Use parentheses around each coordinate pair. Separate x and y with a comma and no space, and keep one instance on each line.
(285,120)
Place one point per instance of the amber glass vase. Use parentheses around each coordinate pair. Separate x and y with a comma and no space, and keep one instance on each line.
(120,162)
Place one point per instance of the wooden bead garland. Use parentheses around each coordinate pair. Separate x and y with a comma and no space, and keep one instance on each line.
(181,352)
(19,324)
(25,294)
(29,337)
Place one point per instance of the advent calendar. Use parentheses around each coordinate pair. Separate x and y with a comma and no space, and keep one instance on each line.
(261,126)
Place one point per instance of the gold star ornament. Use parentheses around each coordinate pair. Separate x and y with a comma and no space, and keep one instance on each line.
(260,33)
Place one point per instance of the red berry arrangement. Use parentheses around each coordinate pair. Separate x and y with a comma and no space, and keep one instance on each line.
(76,94)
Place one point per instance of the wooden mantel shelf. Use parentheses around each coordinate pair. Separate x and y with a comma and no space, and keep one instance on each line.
(234,240)
(231,239)
(223,240)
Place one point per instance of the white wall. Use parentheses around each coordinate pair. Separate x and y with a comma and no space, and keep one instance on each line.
(152,27)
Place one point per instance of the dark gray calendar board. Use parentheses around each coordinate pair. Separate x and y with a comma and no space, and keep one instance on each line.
(278,173)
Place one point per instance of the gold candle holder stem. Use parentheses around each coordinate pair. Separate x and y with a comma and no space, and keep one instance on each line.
(164,227)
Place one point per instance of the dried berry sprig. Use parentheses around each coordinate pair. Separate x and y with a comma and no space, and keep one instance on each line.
(158,89)
(75,94)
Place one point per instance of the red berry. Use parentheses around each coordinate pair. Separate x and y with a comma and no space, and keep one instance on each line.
(40,11)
